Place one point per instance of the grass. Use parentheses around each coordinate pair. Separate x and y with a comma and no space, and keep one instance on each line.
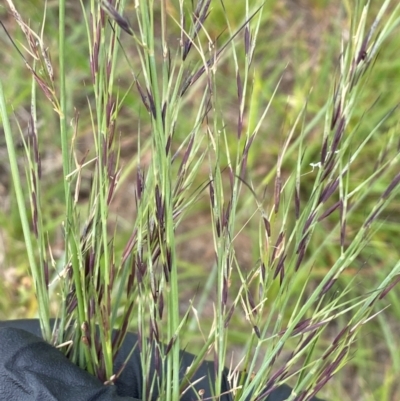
(298,47)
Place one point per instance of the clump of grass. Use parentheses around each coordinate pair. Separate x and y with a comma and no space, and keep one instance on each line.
(105,287)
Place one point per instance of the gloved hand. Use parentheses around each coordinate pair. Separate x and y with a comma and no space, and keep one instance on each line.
(32,370)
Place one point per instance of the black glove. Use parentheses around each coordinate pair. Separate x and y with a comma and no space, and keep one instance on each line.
(33,370)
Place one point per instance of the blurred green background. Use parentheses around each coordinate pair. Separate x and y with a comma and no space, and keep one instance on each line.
(299,41)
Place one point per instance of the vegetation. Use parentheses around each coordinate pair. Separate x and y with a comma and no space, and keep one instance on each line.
(216,176)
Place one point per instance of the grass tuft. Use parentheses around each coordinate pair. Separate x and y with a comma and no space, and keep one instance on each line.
(291,213)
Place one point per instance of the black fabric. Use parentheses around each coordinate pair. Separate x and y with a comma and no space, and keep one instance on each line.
(31,369)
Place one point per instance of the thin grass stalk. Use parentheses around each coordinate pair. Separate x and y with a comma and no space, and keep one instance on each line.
(163,176)
(224,217)
(65,151)
(62,117)
(104,269)
(34,172)
(72,248)
(37,274)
